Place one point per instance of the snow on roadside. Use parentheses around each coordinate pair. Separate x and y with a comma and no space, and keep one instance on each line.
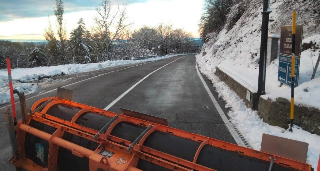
(29,74)
(25,79)
(304,93)
(249,123)
(27,88)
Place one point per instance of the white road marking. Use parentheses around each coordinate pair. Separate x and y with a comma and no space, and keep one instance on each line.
(49,91)
(223,116)
(132,87)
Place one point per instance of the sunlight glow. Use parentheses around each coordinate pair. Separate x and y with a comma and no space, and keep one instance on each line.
(180,13)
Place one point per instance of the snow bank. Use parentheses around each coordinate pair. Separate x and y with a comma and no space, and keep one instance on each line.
(29,74)
(249,123)
(27,88)
(25,79)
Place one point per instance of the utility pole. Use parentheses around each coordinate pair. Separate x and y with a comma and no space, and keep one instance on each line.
(263,52)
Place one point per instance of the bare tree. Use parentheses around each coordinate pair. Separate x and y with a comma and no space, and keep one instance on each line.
(52,45)
(214,17)
(165,35)
(108,19)
(163,40)
(146,37)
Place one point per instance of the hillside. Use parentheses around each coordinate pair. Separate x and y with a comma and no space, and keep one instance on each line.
(236,51)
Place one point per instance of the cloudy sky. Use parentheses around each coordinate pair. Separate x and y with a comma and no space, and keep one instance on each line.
(27,19)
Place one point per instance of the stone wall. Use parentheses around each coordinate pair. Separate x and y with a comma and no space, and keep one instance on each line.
(278,113)
(239,89)
(275,112)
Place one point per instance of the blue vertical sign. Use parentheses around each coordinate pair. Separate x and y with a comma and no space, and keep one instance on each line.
(284,72)
(285,57)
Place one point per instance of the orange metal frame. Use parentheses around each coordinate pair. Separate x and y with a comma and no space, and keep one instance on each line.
(118,145)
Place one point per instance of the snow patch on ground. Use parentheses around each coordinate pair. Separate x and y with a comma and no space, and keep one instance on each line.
(26,79)
(313,39)
(249,123)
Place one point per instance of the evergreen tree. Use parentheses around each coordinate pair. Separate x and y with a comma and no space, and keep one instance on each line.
(79,42)
(38,58)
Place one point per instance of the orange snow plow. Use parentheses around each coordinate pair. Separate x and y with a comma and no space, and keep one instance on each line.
(59,134)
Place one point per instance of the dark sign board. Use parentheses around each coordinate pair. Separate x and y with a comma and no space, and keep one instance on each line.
(285,58)
(286,40)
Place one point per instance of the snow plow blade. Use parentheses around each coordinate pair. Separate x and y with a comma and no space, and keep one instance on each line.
(60,134)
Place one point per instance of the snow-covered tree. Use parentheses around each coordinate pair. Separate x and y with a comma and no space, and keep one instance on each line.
(147,38)
(164,32)
(163,40)
(80,43)
(38,58)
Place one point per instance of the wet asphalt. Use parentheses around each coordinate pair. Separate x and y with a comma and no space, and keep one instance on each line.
(174,92)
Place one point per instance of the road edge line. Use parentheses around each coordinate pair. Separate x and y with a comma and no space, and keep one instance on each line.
(132,87)
(223,116)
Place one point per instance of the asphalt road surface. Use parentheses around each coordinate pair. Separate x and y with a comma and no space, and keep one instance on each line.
(169,88)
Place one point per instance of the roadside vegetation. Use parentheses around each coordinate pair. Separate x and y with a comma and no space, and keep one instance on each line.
(109,39)
(217,14)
